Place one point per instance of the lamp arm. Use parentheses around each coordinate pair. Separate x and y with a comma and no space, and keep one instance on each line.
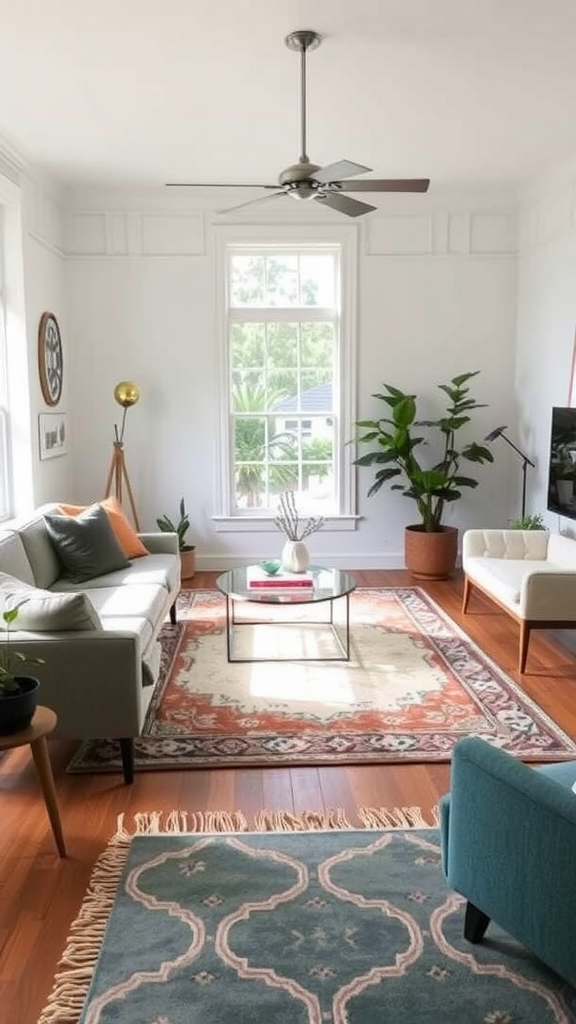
(520,453)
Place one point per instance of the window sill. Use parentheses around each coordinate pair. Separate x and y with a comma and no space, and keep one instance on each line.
(265,524)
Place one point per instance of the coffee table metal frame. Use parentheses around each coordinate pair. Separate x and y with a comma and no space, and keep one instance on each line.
(329,585)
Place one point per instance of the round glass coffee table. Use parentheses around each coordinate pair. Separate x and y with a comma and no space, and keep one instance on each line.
(328,585)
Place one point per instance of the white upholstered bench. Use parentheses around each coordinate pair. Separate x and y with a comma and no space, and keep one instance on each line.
(531,574)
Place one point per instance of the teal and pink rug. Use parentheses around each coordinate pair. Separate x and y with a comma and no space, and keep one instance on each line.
(342,926)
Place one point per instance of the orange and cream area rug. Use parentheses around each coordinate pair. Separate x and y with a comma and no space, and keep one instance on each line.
(414,685)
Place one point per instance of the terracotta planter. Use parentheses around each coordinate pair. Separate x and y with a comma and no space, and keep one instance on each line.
(187,563)
(430,556)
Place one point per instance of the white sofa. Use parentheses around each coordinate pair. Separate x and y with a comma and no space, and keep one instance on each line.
(531,574)
(101,653)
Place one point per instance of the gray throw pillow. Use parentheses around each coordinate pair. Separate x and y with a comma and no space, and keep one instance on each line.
(86,544)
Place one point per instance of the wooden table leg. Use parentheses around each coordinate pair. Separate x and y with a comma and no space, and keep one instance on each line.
(44,769)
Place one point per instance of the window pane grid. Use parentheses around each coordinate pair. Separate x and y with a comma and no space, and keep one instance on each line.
(283,354)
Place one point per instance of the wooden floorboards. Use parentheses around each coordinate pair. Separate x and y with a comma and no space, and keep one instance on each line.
(40,893)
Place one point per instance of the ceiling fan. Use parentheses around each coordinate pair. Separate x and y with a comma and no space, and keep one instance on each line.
(327,185)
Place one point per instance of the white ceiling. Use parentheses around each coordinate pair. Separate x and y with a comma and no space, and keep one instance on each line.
(140,92)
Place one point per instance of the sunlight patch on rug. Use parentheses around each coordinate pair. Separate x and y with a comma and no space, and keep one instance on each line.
(414,685)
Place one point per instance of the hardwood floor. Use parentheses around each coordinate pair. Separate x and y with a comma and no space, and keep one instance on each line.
(40,893)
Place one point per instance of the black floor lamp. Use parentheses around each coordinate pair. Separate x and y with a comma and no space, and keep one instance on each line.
(499,432)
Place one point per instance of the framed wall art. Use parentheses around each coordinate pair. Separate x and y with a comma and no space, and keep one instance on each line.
(53,434)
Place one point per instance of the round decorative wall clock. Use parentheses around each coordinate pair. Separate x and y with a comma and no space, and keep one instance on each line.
(50,359)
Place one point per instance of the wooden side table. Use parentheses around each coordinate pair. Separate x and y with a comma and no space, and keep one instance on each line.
(42,724)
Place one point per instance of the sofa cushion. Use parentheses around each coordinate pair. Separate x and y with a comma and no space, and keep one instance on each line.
(502,577)
(162,570)
(126,536)
(144,602)
(40,551)
(45,611)
(85,544)
(13,557)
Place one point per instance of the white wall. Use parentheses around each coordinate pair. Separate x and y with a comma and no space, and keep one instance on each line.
(46,289)
(35,281)
(546,319)
(436,297)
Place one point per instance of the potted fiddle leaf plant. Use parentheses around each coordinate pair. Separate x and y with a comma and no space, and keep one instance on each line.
(181,527)
(18,692)
(398,443)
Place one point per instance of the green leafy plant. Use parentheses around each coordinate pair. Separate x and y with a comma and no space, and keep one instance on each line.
(395,445)
(528,522)
(181,527)
(10,660)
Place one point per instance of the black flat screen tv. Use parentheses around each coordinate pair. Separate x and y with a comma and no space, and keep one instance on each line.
(562,464)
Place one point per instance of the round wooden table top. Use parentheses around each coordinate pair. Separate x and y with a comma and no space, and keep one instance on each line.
(43,722)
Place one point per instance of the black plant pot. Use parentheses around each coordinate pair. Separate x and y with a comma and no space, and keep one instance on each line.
(18,706)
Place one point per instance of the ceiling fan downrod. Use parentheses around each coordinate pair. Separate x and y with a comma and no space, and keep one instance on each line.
(302,41)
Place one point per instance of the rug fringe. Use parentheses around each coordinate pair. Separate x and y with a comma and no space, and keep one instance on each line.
(78,960)
(397,817)
(308,821)
(156,822)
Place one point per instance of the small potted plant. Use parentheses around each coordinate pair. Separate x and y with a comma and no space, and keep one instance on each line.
(187,551)
(533,521)
(18,693)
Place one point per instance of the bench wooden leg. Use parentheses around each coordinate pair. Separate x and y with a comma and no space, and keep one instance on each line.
(525,629)
(466,595)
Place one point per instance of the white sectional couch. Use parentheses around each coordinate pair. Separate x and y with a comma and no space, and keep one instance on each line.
(101,651)
(531,574)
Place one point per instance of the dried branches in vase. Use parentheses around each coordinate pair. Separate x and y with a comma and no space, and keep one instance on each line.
(295,557)
(289,521)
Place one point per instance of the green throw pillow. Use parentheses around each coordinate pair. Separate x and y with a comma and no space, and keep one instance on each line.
(86,544)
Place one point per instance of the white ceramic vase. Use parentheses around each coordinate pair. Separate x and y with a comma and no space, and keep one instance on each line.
(295,556)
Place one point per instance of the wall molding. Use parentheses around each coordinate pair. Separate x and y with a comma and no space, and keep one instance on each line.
(545,218)
(470,232)
(105,234)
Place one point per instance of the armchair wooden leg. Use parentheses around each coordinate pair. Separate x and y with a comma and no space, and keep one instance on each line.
(173,613)
(525,629)
(475,923)
(466,595)
(127,752)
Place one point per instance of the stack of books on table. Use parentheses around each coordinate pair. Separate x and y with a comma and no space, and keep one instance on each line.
(281,582)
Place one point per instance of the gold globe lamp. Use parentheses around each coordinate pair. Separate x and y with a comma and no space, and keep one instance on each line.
(126,394)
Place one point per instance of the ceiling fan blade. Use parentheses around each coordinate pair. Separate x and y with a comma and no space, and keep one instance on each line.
(252,202)
(334,172)
(213,184)
(385,185)
(351,207)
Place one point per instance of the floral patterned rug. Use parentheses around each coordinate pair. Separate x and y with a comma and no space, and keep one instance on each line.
(414,685)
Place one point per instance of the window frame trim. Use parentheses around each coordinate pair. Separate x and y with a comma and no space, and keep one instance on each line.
(346,237)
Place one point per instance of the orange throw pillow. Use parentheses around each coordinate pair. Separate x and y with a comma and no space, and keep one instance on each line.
(126,536)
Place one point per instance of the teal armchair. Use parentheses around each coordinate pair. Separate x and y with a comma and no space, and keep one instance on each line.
(508,838)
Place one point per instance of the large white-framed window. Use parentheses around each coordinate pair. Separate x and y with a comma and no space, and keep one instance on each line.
(287,300)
